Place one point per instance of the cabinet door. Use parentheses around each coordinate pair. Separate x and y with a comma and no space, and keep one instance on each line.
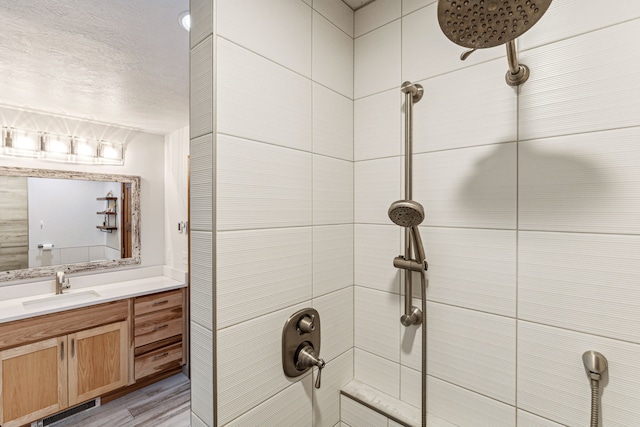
(34,381)
(98,362)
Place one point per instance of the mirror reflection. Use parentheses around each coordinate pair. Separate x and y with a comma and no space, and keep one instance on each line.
(75,220)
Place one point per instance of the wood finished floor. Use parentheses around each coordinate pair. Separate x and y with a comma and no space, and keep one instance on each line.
(163,404)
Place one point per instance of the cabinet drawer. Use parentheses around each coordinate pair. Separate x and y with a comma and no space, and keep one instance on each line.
(159,360)
(155,302)
(158,326)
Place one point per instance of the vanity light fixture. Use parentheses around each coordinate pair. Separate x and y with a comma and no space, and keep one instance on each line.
(69,149)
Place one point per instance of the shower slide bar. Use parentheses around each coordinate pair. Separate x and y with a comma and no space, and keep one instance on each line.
(408,213)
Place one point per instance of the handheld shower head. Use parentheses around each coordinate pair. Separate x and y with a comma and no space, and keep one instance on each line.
(488,23)
(406,213)
(410,214)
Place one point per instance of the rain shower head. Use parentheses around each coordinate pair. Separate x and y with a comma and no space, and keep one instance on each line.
(406,213)
(480,24)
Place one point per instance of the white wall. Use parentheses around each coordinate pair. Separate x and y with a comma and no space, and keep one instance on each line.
(176,189)
(531,201)
(63,213)
(276,145)
(144,157)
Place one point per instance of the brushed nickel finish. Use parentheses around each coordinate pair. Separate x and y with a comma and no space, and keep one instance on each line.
(479,24)
(518,73)
(301,344)
(306,357)
(408,213)
(488,23)
(62,284)
(409,264)
(595,364)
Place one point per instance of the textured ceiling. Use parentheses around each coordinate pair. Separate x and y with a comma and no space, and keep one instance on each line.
(121,62)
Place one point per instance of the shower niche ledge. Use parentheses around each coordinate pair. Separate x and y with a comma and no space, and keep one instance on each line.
(383,405)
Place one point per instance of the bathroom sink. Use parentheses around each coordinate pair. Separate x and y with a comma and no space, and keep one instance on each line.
(61,300)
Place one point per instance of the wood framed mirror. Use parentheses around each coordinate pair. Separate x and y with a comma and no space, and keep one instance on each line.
(52,220)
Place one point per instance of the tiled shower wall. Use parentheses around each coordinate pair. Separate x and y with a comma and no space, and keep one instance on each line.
(532,201)
(272,144)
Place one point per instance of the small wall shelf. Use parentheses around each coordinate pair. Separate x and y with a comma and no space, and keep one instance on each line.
(110,214)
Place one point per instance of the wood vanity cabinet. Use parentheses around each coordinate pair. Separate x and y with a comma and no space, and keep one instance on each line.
(159,333)
(49,375)
(53,362)
(34,382)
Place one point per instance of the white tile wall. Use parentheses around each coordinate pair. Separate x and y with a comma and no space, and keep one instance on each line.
(471,349)
(332,258)
(201,169)
(377,329)
(553,384)
(377,60)
(262,185)
(465,108)
(261,271)
(571,177)
(202,278)
(375,248)
(378,372)
(568,18)
(332,56)
(470,187)
(585,183)
(332,123)
(202,378)
(337,12)
(571,93)
(284,202)
(284,37)
(336,320)
(290,407)
(411,386)
(239,388)
(375,15)
(409,6)
(583,282)
(326,399)
(201,82)
(201,21)
(332,191)
(72,255)
(378,125)
(376,186)
(525,419)
(261,100)
(472,268)
(467,409)
(427,52)
(354,414)
(196,422)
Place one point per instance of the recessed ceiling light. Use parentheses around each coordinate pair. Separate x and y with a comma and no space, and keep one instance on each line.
(185,20)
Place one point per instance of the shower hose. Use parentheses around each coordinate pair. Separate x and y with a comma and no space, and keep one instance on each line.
(423,286)
(595,402)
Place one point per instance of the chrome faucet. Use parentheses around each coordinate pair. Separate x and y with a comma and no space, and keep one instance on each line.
(61,283)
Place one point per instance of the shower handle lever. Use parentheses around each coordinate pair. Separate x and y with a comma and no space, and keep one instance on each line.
(307,358)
